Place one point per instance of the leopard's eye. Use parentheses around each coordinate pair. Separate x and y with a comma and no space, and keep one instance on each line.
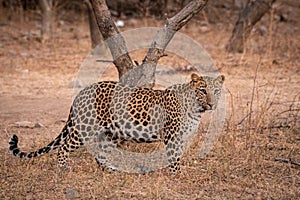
(217,91)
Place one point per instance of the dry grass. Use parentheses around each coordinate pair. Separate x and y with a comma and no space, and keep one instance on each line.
(262,123)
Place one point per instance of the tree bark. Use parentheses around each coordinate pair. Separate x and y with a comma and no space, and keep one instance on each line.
(46,20)
(112,37)
(248,17)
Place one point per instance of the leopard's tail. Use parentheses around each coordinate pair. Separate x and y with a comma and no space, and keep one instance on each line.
(57,142)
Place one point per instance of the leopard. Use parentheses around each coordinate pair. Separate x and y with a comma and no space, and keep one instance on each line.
(108,112)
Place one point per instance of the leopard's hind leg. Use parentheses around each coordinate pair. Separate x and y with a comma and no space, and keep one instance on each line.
(103,147)
(72,142)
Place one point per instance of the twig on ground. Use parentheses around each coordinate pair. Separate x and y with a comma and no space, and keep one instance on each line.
(285,160)
(245,118)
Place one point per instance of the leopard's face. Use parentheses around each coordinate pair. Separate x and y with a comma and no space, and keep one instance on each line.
(200,89)
(214,87)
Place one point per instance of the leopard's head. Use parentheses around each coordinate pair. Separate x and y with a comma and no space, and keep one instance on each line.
(200,90)
(207,90)
(214,88)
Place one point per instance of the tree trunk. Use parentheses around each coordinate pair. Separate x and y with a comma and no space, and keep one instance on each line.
(112,37)
(46,19)
(96,37)
(248,17)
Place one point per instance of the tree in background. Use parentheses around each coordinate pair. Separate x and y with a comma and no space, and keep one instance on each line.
(96,37)
(46,28)
(248,17)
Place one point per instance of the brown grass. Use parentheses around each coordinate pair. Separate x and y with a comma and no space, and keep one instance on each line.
(262,123)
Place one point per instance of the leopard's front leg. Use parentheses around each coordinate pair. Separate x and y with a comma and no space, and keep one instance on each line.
(174,149)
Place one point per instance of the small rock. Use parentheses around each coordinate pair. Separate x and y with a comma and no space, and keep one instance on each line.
(204,29)
(24,54)
(120,23)
(61,23)
(71,194)
(189,68)
(27,124)
(64,120)
(12,52)
(24,124)
(29,196)
(38,125)
(25,71)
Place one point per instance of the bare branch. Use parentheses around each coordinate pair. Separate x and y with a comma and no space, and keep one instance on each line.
(144,75)
(169,29)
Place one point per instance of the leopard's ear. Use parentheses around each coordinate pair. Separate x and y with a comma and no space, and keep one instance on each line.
(221,78)
(196,77)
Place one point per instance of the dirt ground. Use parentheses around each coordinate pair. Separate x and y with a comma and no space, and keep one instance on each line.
(262,117)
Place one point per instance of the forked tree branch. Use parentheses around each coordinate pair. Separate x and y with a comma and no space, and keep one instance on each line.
(171,26)
(143,75)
